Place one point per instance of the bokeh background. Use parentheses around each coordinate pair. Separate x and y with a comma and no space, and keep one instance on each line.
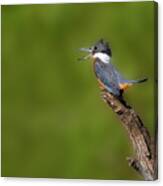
(54,122)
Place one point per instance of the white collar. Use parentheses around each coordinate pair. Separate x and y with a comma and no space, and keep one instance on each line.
(102,56)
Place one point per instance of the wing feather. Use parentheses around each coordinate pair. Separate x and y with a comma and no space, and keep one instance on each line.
(108,76)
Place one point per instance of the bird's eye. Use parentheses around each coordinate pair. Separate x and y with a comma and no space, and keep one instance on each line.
(95,48)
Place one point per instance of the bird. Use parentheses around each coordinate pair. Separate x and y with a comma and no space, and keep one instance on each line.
(107,75)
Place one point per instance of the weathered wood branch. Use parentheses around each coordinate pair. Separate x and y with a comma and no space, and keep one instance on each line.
(145,158)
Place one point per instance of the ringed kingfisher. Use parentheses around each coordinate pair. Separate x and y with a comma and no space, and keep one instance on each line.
(108,77)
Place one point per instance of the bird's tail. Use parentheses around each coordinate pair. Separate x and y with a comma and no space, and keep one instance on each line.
(138,81)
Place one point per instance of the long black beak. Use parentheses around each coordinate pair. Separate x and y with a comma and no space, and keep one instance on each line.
(88,50)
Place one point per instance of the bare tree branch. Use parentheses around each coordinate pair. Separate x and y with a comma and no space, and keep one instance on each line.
(145,160)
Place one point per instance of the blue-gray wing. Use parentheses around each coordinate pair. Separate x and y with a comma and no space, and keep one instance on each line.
(108,75)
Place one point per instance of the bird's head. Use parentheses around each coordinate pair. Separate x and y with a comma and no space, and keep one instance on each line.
(100,48)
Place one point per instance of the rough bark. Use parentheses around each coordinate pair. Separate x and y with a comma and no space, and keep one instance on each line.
(145,158)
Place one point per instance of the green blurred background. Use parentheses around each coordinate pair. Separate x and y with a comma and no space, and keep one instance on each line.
(54,123)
